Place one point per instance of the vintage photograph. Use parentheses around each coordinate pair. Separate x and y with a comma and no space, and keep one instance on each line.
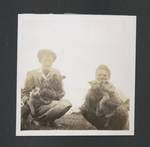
(75,75)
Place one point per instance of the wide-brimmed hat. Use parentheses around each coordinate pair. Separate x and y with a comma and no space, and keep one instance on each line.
(46,52)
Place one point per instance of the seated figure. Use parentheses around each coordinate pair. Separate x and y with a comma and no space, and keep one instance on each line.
(101,105)
(50,89)
(43,92)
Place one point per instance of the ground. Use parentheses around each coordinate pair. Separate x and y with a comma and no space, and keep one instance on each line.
(73,121)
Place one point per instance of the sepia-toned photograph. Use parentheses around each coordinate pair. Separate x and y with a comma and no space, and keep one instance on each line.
(75,75)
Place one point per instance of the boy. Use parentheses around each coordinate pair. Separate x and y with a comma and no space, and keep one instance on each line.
(101,102)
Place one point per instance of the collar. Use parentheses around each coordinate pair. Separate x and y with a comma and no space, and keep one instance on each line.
(43,75)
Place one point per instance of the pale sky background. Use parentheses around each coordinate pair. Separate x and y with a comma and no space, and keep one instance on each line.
(81,42)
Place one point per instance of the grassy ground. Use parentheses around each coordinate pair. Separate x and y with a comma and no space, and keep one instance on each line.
(73,121)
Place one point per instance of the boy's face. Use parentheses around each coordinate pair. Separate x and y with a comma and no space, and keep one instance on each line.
(46,61)
(102,75)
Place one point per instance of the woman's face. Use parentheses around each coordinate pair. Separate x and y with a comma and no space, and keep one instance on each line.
(46,61)
(102,75)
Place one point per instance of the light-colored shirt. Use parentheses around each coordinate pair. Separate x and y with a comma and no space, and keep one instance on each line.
(33,79)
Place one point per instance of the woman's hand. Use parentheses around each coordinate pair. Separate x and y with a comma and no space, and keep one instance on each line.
(59,95)
(35,92)
(24,100)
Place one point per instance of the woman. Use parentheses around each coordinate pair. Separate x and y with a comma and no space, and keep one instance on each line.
(58,107)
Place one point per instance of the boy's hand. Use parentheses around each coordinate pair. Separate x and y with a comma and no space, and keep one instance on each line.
(109,115)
